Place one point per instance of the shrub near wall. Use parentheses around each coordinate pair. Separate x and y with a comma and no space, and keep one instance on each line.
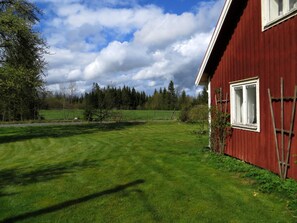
(199,114)
(220,130)
(196,114)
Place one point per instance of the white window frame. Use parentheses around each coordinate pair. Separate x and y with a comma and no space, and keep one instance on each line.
(284,15)
(244,125)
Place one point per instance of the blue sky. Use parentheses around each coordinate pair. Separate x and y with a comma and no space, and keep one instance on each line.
(139,43)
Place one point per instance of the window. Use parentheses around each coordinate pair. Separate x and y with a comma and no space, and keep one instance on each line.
(245,112)
(276,11)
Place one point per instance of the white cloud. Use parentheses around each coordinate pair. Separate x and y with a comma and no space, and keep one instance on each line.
(140,46)
(76,15)
(208,13)
(65,66)
(177,60)
(64,57)
(156,70)
(193,46)
(74,75)
(117,57)
(80,87)
(151,83)
(166,29)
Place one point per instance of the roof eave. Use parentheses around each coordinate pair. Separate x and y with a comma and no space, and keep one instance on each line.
(202,74)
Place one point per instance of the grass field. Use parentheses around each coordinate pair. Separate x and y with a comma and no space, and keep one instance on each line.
(56,114)
(126,115)
(126,172)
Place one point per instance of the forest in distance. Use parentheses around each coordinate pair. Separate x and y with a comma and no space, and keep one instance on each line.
(121,98)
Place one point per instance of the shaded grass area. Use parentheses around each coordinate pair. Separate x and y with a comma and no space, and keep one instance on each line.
(126,172)
(126,115)
(14,134)
(70,203)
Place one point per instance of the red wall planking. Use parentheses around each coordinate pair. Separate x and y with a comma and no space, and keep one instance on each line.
(270,55)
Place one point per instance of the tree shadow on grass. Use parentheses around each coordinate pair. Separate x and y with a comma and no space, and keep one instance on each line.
(14,134)
(6,194)
(148,205)
(70,203)
(25,176)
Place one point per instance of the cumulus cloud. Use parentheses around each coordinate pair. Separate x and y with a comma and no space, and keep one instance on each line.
(117,57)
(194,46)
(65,66)
(126,43)
(166,29)
(123,19)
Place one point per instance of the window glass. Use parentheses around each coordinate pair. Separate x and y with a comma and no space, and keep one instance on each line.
(251,104)
(293,4)
(275,9)
(238,104)
(245,104)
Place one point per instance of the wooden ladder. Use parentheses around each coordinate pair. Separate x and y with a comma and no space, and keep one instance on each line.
(283,156)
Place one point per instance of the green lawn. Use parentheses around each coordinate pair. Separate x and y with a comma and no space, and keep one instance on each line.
(126,115)
(127,172)
(149,115)
(66,114)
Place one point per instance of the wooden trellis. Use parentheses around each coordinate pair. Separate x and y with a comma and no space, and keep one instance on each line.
(282,153)
(219,122)
(222,104)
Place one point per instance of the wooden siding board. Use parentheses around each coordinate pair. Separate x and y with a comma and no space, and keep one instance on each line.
(269,55)
(255,64)
(266,127)
(293,70)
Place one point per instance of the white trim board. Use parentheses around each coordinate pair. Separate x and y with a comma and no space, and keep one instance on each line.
(213,40)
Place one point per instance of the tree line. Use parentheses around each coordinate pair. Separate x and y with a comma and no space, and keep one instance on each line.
(100,101)
(126,98)
(129,98)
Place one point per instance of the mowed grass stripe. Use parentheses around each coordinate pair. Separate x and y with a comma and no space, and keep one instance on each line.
(127,172)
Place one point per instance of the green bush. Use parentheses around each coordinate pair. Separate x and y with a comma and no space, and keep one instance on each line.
(199,113)
(220,130)
(184,114)
(195,114)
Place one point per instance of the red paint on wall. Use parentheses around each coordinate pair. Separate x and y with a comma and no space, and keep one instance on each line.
(246,51)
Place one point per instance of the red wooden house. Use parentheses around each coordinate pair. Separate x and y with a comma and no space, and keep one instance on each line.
(253,47)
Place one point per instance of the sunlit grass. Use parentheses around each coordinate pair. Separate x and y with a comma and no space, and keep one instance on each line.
(126,172)
(61,114)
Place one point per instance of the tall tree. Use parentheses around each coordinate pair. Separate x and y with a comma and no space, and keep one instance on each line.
(202,97)
(184,101)
(21,60)
(172,97)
